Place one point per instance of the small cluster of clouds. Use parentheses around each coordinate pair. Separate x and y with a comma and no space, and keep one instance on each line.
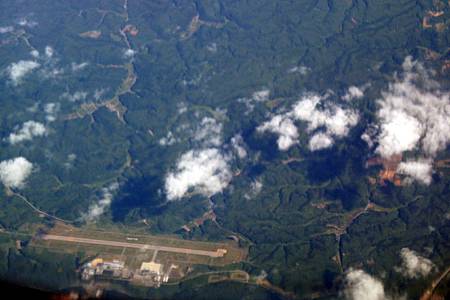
(326,122)
(70,160)
(99,208)
(354,92)
(25,22)
(209,132)
(47,65)
(238,145)
(14,172)
(168,140)
(51,110)
(203,170)
(414,265)
(302,70)
(77,96)
(17,71)
(414,114)
(257,97)
(6,29)
(360,285)
(27,132)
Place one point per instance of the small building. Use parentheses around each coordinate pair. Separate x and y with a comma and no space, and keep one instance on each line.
(221,252)
(97,261)
(151,267)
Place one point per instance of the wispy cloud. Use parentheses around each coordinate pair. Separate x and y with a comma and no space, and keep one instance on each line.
(104,202)
(257,97)
(6,29)
(26,22)
(77,67)
(77,96)
(302,70)
(255,188)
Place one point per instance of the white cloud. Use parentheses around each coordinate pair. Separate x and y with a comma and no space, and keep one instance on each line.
(70,160)
(203,171)
(77,96)
(255,188)
(98,93)
(51,109)
(257,97)
(27,23)
(238,144)
(20,69)
(99,208)
(261,95)
(14,172)
(28,130)
(320,141)
(129,53)
(414,265)
(182,108)
(400,132)
(6,29)
(49,52)
(336,120)
(168,140)
(209,132)
(414,113)
(353,92)
(212,47)
(360,285)
(77,67)
(285,128)
(299,69)
(420,170)
(331,121)
(34,53)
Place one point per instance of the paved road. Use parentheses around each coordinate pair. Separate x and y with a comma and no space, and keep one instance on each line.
(71,239)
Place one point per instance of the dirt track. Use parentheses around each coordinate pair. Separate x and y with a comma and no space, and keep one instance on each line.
(69,239)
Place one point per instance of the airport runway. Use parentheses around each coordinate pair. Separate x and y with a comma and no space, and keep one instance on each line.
(70,239)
